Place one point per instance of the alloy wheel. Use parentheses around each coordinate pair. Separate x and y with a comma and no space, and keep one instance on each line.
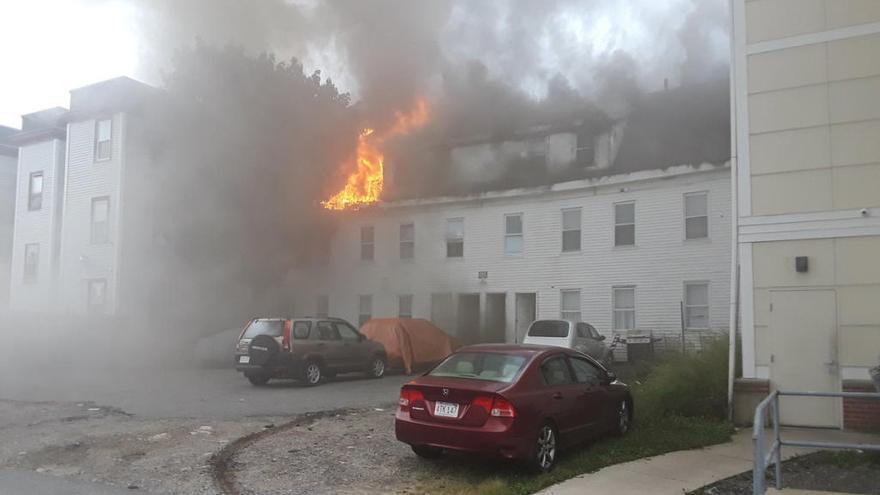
(623,418)
(546,448)
(378,367)
(313,373)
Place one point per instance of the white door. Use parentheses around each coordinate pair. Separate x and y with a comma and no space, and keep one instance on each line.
(803,346)
(526,311)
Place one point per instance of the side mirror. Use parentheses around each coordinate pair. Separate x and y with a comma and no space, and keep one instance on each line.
(610,376)
(361,337)
(600,337)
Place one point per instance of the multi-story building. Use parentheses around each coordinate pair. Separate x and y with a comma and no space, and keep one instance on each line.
(638,240)
(76,170)
(807,134)
(8,171)
(39,194)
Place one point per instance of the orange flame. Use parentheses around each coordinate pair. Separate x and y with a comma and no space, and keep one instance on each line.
(364,186)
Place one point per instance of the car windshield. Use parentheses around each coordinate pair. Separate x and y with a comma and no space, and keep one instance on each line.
(549,328)
(490,366)
(272,328)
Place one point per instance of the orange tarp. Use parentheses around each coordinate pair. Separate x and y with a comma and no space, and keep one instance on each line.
(410,343)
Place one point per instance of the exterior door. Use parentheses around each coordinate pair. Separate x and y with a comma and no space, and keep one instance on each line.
(330,345)
(803,346)
(355,352)
(526,313)
(591,399)
(560,400)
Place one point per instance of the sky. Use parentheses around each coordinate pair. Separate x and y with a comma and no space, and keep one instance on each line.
(49,47)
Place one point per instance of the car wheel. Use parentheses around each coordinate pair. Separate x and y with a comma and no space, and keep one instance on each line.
(312,373)
(426,451)
(258,379)
(546,449)
(623,419)
(377,367)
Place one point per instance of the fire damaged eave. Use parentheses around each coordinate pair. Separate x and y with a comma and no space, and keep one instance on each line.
(620,180)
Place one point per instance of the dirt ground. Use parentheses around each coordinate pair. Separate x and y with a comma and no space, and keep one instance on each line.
(847,472)
(104,445)
(349,453)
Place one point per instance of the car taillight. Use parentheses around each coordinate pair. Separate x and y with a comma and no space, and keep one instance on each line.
(408,396)
(498,407)
(285,339)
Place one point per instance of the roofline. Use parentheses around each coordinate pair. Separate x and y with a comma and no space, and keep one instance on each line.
(8,150)
(559,187)
(25,137)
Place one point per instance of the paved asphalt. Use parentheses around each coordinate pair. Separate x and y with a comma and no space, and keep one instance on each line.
(217,394)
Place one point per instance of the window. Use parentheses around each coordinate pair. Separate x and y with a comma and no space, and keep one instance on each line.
(513,233)
(571,229)
(323,309)
(555,371)
(100,220)
(585,371)
(272,328)
(489,366)
(625,224)
(624,308)
(696,216)
(103,135)
(455,238)
(696,305)
(404,306)
(346,332)
(31,262)
(584,155)
(302,329)
(327,331)
(407,241)
(35,191)
(368,242)
(365,309)
(97,296)
(549,328)
(570,302)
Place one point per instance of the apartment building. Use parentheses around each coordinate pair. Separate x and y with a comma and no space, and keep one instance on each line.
(807,134)
(39,194)
(640,242)
(76,169)
(8,171)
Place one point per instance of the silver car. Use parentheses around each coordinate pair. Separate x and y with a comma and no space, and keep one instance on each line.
(575,335)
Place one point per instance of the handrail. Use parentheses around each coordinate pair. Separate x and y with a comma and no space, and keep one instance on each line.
(762,458)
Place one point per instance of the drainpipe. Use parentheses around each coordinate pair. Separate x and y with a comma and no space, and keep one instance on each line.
(734,225)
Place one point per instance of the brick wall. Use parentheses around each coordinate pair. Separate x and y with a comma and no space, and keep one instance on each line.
(861,414)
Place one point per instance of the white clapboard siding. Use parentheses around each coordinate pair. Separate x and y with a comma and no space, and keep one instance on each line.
(81,260)
(37,227)
(658,265)
(8,174)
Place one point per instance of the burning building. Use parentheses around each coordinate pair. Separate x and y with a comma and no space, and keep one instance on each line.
(623,223)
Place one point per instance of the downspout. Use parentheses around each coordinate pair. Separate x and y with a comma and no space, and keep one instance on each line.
(734,225)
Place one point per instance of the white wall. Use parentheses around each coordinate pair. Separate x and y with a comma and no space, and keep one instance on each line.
(658,265)
(86,179)
(8,174)
(40,226)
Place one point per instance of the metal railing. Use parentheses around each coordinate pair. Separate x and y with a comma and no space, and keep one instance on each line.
(763,456)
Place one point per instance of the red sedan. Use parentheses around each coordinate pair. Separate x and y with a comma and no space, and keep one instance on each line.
(521,402)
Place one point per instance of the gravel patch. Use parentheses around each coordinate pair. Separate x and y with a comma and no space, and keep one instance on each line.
(351,453)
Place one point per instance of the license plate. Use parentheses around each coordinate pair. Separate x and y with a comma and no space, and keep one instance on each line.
(244,359)
(446,410)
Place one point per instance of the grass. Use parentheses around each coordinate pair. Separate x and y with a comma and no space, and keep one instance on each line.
(679,405)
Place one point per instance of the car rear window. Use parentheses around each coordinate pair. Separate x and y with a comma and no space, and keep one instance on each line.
(549,328)
(273,328)
(490,366)
(302,329)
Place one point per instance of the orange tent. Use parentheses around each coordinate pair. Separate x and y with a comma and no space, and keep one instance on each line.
(410,343)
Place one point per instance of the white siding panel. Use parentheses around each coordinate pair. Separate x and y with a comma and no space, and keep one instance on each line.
(659,263)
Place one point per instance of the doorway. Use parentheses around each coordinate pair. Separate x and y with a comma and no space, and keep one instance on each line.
(803,346)
(526,312)
(468,327)
(494,325)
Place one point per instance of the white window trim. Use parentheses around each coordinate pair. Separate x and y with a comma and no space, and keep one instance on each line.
(614,309)
(92,240)
(614,224)
(447,238)
(563,311)
(30,194)
(685,304)
(563,230)
(522,234)
(95,145)
(400,241)
(684,216)
(369,315)
(30,279)
(400,297)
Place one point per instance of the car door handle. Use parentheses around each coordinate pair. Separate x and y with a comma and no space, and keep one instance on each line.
(557,395)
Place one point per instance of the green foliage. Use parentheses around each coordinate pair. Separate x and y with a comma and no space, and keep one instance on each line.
(692,385)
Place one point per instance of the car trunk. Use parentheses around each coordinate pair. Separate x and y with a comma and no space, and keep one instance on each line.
(454,396)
